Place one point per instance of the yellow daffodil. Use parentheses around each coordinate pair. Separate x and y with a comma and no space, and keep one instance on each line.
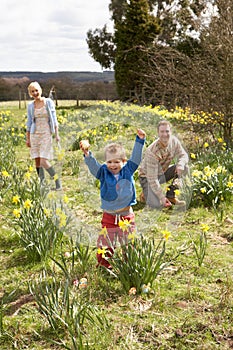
(131,236)
(58,211)
(177,192)
(193,156)
(60,155)
(47,212)
(15,199)
(101,251)
(208,171)
(65,199)
(16,213)
(230,184)
(203,190)
(206,145)
(5,173)
(30,169)
(220,140)
(124,224)
(27,204)
(197,173)
(63,218)
(166,234)
(27,175)
(103,232)
(51,195)
(220,169)
(205,227)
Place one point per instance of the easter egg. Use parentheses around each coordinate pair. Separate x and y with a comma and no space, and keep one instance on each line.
(145,289)
(85,144)
(83,283)
(132,291)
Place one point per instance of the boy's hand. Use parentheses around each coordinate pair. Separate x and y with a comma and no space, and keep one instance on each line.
(141,133)
(84,146)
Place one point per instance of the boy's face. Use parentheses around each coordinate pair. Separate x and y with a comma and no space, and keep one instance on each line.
(115,165)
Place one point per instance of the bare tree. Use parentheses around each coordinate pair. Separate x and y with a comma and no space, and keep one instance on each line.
(166,77)
(202,81)
(214,69)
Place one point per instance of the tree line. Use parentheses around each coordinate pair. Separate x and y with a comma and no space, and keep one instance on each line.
(64,89)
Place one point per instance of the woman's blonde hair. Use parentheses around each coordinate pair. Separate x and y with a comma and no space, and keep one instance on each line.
(34,84)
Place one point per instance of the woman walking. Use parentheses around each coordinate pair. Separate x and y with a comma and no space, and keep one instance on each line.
(41,124)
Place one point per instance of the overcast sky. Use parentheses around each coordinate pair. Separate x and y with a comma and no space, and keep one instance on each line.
(49,35)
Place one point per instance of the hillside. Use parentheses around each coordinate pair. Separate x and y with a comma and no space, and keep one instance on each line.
(75,76)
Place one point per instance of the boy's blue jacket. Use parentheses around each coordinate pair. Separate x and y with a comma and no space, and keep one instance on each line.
(117,194)
(50,106)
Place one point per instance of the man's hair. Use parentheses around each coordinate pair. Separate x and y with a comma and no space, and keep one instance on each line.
(163,122)
(114,151)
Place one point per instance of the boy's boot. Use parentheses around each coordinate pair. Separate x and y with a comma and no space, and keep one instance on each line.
(40,172)
(52,173)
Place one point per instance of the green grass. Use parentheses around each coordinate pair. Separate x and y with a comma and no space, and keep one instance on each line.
(188,307)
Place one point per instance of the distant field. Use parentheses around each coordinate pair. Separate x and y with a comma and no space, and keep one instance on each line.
(15,104)
(61,103)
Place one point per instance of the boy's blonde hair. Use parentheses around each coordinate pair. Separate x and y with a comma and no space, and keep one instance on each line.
(114,151)
(34,84)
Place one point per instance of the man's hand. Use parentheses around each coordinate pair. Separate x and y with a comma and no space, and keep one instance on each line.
(165,202)
(179,172)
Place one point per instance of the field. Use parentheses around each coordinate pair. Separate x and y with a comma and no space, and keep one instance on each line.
(179,262)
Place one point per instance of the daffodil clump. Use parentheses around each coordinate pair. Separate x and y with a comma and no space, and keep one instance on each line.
(212,185)
(24,182)
(138,262)
(39,228)
(7,159)
(4,118)
(199,117)
(16,133)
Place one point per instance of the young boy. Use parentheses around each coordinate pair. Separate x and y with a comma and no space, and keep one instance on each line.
(117,191)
